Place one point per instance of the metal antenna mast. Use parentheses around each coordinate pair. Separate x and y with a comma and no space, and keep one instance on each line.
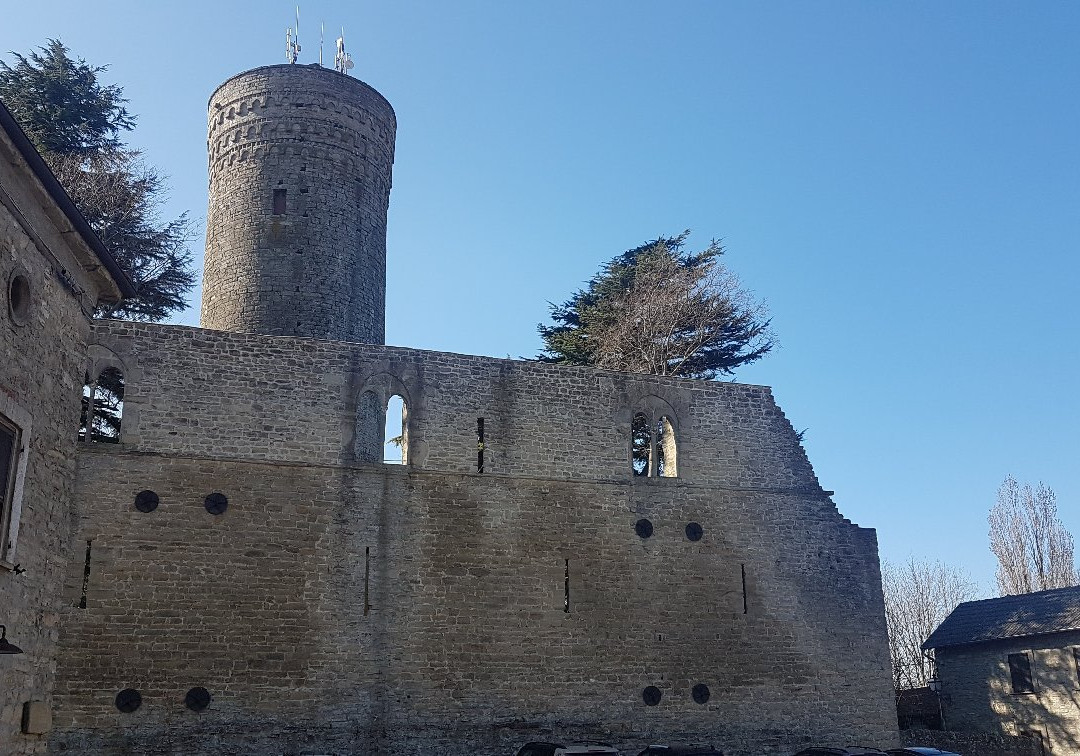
(342,61)
(292,39)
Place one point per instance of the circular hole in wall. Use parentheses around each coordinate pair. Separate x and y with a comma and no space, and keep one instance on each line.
(651,695)
(701,693)
(146,501)
(216,503)
(643,528)
(19,298)
(197,699)
(694,531)
(128,700)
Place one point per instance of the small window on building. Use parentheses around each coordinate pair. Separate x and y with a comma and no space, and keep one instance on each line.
(1020,670)
(1076,663)
(667,465)
(653,450)
(9,465)
(396,447)
(641,444)
(279,202)
(19,299)
(102,407)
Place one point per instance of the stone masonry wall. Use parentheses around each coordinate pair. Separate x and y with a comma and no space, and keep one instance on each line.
(295,400)
(340,606)
(977,689)
(318,268)
(41,366)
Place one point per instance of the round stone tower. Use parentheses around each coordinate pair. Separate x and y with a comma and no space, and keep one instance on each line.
(300,164)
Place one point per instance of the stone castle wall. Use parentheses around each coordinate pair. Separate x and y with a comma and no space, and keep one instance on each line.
(315,265)
(351,606)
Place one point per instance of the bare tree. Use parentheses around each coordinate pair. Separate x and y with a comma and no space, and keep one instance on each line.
(918,596)
(1033,548)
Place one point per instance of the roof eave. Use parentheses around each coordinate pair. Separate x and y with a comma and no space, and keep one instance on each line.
(58,195)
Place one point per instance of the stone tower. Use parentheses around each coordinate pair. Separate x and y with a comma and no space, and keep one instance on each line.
(300,173)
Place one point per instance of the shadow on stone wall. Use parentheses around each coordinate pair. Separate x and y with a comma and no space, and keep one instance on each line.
(973,743)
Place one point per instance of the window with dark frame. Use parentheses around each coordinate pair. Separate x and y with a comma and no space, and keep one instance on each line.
(1020,670)
(279,201)
(9,450)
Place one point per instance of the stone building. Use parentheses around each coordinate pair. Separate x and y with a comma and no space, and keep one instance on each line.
(249,576)
(53,273)
(1011,665)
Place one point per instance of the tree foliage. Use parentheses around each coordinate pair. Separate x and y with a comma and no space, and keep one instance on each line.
(919,595)
(75,122)
(662,310)
(1032,546)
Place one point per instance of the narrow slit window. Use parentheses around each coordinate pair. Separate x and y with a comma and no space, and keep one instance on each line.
(745,605)
(396,444)
(641,444)
(667,464)
(1020,671)
(86,576)
(279,201)
(566,588)
(479,444)
(367,579)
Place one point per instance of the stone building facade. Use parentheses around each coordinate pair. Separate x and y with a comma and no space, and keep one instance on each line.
(249,575)
(53,273)
(1011,666)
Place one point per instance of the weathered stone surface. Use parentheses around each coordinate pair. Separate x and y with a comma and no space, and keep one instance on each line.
(973,743)
(318,268)
(360,607)
(42,359)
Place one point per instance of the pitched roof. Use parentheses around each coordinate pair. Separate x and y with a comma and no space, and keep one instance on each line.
(1052,611)
(37,164)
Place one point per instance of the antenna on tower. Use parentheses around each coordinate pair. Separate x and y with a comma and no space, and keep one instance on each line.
(342,61)
(322,30)
(292,39)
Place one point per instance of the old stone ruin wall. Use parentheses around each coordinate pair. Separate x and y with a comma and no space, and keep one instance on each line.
(318,600)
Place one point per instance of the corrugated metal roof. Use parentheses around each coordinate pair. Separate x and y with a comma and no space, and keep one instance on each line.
(1052,611)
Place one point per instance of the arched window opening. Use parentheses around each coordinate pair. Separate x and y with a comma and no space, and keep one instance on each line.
(396,444)
(667,464)
(102,407)
(641,444)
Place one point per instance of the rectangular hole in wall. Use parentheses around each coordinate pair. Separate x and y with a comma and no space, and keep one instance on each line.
(367,581)
(86,576)
(479,444)
(566,588)
(745,606)
(279,201)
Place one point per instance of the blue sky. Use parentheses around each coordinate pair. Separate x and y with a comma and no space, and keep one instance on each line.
(899,181)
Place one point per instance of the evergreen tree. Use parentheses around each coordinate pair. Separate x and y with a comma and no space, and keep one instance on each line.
(661,310)
(75,122)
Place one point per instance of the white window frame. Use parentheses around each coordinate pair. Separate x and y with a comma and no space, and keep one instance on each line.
(15,417)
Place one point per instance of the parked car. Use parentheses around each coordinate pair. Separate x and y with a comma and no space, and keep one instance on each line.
(681,750)
(920,751)
(574,749)
(833,751)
